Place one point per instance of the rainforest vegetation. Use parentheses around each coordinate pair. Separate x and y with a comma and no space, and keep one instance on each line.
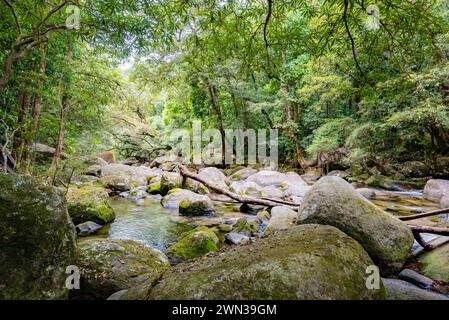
(366,81)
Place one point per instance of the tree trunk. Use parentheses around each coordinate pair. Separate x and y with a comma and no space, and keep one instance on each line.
(19,142)
(217,110)
(60,141)
(37,105)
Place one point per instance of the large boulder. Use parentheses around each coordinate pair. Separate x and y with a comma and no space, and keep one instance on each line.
(436,189)
(194,243)
(333,201)
(214,175)
(188,202)
(37,240)
(108,266)
(282,218)
(89,203)
(303,263)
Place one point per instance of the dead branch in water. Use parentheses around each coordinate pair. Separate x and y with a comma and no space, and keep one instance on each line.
(417,230)
(423,215)
(243,199)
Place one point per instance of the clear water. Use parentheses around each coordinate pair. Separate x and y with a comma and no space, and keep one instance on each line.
(158,227)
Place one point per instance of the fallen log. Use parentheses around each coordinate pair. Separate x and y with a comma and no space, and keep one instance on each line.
(243,199)
(432,230)
(417,230)
(423,215)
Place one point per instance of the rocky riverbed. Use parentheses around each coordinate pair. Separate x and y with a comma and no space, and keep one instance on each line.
(150,233)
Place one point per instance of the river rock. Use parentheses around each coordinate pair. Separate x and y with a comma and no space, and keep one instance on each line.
(333,201)
(242,174)
(403,290)
(188,202)
(436,263)
(195,186)
(193,244)
(245,227)
(89,203)
(245,188)
(214,175)
(282,218)
(436,189)
(134,176)
(87,228)
(116,183)
(272,192)
(444,202)
(415,169)
(303,263)
(367,192)
(37,240)
(236,238)
(416,278)
(271,178)
(108,266)
(382,182)
(169,181)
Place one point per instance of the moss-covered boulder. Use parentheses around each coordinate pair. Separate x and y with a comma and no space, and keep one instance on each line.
(37,240)
(169,181)
(188,202)
(304,262)
(193,244)
(333,201)
(89,203)
(108,266)
(436,264)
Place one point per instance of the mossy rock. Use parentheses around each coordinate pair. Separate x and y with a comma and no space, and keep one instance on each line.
(243,226)
(379,181)
(193,244)
(37,240)
(333,201)
(195,206)
(169,181)
(89,203)
(116,183)
(108,266)
(154,188)
(188,202)
(303,263)
(436,264)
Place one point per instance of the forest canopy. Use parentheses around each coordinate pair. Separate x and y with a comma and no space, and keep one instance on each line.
(367,80)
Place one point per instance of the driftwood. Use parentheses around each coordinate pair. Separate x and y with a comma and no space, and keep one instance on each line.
(423,215)
(242,199)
